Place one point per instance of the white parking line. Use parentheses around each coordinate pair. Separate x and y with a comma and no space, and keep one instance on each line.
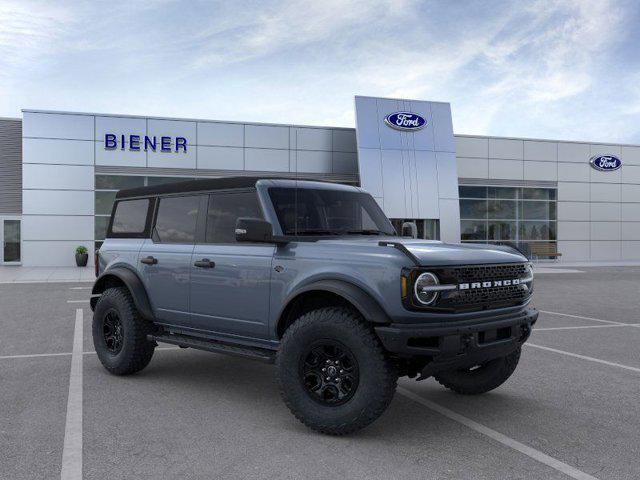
(581,317)
(586,326)
(500,438)
(584,357)
(72,450)
(80,288)
(78,301)
(34,355)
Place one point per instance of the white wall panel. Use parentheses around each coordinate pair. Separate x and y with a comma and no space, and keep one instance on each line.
(57,227)
(220,158)
(574,211)
(73,152)
(311,139)
(631,231)
(605,230)
(313,161)
(605,212)
(447,175)
(473,167)
(630,174)
(121,158)
(370,170)
(630,212)
(605,177)
(367,121)
(120,126)
(547,151)
(393,175)
(425,139)
(173,159)
(547,171)
(64,177)
(57,202)
(55,125)
(605,251)
(52,253)
(472,147)
(266,136)
(605,150)
(630,250)
(574,152)
(506,169)
(265,160)
(574,172)
(172,128)
(391,138)
(450,220)
(220,134)
(574,250)
(602,192)
(442,127)
(345,162)
(506,149)
(344,141)
(427,173)
(573,231)
(630,155)
(630,193)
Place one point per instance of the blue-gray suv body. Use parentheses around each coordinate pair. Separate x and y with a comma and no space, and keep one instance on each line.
(311,276)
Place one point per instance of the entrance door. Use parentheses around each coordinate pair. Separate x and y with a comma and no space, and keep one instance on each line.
(10,239)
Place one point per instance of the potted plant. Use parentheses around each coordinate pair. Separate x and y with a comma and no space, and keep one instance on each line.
(81,256)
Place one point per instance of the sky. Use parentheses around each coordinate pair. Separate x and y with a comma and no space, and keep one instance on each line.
(540,69)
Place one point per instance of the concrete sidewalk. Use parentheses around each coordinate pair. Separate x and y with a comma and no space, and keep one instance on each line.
(19,274)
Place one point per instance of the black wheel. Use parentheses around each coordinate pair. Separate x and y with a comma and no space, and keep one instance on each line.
(480,378)
(120,334)
(333,373)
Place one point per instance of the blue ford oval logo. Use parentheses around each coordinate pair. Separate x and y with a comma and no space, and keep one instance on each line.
(605,163)
(405,121)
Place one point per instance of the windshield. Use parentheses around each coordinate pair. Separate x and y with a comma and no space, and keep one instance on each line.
(307,211)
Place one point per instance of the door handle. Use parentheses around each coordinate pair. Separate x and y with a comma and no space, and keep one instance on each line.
(204,263)
(149,260)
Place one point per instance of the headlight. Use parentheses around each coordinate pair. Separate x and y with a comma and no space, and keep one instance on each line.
(424,290)
(528,277)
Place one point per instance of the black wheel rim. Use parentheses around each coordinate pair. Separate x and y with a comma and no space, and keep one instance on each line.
(329,372)
(112,332)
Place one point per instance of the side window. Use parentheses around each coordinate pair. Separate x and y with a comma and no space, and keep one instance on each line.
(224,210)
(176,219)
(130,217)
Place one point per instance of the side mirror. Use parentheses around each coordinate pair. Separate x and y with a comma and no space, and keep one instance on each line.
(253,230)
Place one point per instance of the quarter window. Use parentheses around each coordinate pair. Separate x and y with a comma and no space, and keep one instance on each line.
(224,209)
(176,219)
(130,217)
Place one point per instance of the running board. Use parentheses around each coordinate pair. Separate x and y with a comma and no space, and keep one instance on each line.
(260,354)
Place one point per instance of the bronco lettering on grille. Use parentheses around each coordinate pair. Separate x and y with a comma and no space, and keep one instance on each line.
(488,284)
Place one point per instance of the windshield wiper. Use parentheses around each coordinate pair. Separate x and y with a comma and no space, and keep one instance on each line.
(314,231)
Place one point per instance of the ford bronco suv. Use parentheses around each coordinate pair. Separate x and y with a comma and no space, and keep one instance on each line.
(312,277)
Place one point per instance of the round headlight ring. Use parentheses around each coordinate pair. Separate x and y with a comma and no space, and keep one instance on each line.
(423,280)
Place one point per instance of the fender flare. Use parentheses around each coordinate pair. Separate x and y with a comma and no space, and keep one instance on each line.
(368,307)
(134,285)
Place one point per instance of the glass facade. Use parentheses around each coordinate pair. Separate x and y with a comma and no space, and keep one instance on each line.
(521,216)
(105,194)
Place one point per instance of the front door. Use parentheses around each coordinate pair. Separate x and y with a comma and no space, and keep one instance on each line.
(10,240)
(165,259)
(230,281)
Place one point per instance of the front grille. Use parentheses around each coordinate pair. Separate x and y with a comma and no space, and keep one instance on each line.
(481,298)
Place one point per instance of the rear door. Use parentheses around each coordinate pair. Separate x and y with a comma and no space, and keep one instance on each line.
(229,280)
(165,259)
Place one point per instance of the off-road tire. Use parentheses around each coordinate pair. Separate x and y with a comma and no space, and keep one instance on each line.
(136,351)
(483,379)
(377,377)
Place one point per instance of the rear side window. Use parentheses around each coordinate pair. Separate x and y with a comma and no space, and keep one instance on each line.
(130,217)
(176,219)
(224,209)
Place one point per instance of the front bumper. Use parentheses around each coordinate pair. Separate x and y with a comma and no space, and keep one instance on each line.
(457,345)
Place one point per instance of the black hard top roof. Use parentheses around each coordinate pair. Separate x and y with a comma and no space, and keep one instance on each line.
(202,185)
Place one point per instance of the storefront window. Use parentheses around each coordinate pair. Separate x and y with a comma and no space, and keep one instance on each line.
(516,215)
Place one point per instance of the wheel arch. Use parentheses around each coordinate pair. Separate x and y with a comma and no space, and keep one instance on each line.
(326,293)
(124,277)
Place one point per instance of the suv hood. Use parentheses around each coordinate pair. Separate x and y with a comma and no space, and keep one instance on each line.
(432,253)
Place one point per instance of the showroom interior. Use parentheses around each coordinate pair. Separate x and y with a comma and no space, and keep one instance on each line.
(58,177)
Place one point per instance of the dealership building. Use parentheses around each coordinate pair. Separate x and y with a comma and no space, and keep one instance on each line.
(59,172)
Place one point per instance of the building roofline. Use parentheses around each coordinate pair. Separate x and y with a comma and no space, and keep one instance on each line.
(11,118)
(181,119)
(402,99)
(549,140)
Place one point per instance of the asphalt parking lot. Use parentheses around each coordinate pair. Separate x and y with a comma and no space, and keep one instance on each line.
(570,411)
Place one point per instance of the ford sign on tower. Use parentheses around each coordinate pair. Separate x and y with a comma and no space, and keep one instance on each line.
(605,163)
(405,121)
